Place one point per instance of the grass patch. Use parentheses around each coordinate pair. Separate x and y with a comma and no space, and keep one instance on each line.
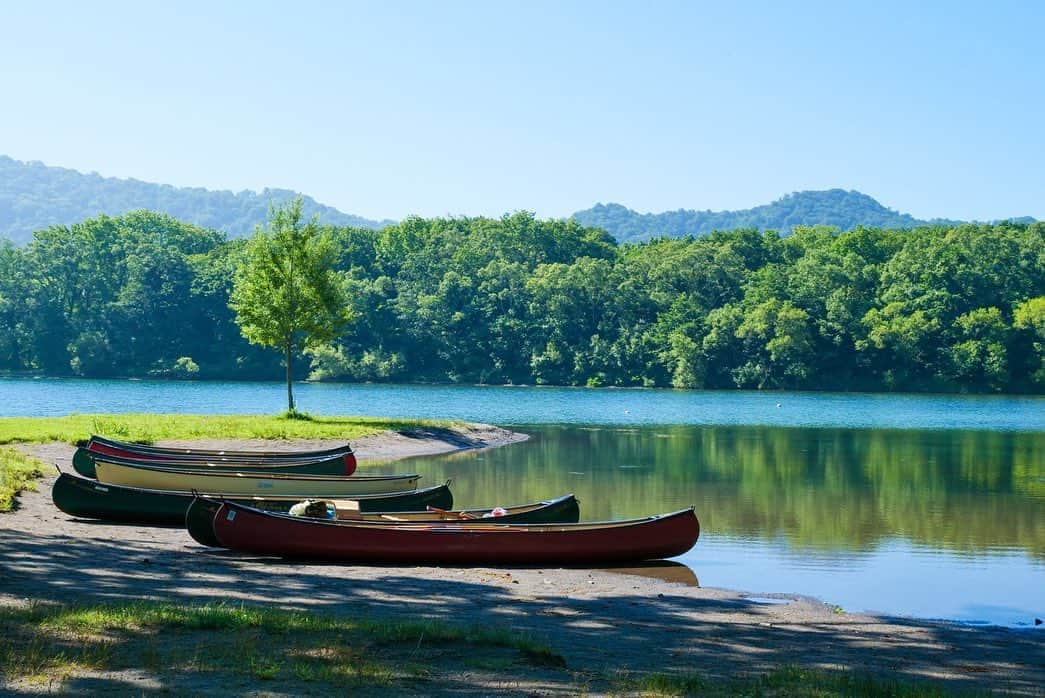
(149,428)
(783,681)
(243,642)
(192,646)
(17,473)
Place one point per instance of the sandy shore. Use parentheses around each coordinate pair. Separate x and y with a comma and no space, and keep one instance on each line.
(599,621)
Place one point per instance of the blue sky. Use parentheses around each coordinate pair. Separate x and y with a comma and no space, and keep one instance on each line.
(449,108)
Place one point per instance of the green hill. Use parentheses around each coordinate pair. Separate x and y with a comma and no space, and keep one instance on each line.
(836,207)
(34,196)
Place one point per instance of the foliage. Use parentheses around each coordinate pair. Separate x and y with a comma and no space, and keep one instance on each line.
(518,300)
(285,292)
(34,197)
(1029,322)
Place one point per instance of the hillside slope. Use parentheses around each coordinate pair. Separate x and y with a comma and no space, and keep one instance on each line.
(836,207)
(34,196)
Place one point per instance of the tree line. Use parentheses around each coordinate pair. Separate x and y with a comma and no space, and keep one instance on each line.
(525,301)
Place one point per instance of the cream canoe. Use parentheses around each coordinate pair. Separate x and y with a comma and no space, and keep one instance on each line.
(156,478)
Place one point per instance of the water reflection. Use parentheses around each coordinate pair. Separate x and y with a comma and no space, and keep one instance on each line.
(664,570)
(832,490)
(918,522)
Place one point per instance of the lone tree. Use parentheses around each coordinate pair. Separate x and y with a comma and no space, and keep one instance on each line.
(285,292)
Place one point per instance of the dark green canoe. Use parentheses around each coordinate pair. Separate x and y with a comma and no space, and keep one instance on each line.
(333,466)
(90,499)
(199,519)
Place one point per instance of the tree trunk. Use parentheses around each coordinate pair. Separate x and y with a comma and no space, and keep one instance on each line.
(290,380)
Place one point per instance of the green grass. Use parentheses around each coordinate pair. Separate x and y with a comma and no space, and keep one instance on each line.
(783,681)
(238,644)
(148,428)
(18,472)
(261,644)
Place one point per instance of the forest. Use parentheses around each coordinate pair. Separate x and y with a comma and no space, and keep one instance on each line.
(518,300)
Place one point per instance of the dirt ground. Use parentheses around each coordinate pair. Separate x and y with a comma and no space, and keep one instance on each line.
(651,619)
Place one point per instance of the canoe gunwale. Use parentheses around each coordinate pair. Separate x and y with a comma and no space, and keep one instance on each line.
(219,460)
(372,517)
(491,524)
(132,447)
(231,482)
(522,508)
(219,472)
(285,467)
(83,481)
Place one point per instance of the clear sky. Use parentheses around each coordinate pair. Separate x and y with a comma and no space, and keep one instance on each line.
(385,109)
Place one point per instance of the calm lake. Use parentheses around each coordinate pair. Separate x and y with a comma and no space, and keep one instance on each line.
(929,506)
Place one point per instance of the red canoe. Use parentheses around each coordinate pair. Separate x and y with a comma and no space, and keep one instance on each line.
(667,535)
(162,454)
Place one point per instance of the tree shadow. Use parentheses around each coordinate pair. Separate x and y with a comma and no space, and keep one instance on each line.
(679,630)
(444,435)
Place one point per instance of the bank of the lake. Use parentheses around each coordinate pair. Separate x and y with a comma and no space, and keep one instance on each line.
(609,630)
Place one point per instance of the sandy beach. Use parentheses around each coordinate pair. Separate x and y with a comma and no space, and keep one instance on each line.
(653,619)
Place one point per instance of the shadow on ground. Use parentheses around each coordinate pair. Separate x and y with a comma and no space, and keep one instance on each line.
(598,627)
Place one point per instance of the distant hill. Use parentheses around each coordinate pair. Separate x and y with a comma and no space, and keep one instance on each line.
(837,207)
(34,196)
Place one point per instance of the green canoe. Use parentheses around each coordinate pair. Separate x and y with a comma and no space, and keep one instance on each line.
(199,519)
(90,499)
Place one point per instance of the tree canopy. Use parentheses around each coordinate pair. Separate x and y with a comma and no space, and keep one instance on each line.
(285,292)
(526,301)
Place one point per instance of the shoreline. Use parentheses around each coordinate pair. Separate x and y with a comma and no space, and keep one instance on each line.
(383,447)
(597,619)
(957,392)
